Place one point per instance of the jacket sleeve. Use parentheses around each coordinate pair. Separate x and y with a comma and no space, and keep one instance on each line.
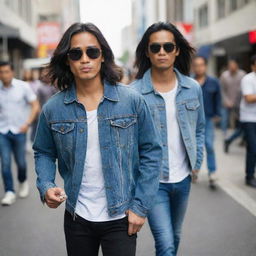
(200,131)
(150,158)
(45,157)
(218,99)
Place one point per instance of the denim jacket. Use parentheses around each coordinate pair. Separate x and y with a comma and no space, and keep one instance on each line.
(190,116)
(130,149)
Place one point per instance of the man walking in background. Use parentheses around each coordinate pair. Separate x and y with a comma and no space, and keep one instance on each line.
(248,119)
(15,99)
(231,96)
(212,106)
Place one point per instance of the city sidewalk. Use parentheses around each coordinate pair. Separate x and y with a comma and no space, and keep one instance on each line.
(218,223)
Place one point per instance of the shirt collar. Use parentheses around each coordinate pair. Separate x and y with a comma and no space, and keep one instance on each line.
(147,85)
(110,93)
(13,84)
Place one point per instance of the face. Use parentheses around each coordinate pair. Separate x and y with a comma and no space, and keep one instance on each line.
(86,46)
(232,66)
(6,74)
(253,67)
(199,66)
(163,59)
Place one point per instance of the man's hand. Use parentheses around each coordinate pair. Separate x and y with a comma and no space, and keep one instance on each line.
(24,128)
(135,222)
(54,197)
(195,175)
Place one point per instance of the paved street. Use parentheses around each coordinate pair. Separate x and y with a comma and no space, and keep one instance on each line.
(218,223)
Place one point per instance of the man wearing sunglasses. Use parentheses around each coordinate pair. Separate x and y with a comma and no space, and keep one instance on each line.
(163,59)
(104,139)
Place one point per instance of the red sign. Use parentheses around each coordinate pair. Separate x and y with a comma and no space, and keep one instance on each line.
(186,30)
(48,34)
(252,37)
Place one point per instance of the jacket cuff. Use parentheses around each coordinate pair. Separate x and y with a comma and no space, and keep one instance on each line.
(138,209)
(43,189)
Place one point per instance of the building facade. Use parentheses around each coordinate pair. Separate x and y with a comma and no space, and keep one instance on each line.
(225,29)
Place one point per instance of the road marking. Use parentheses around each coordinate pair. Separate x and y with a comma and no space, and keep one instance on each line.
(238,195)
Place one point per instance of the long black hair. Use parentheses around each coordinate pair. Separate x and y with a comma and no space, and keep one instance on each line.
(182,61)
(59,72)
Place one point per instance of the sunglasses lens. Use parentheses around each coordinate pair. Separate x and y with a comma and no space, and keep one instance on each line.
(75,54)
(155,48)
(93,52)
(169,47)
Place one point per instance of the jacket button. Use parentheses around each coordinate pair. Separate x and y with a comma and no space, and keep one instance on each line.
(62,129)
(81,130)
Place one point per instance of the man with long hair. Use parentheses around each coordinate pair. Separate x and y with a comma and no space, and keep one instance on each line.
(108,152)
(163,59)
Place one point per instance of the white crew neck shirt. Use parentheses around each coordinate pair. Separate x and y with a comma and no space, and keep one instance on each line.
(178,162)
(15,105)
(92,201)
(248,110)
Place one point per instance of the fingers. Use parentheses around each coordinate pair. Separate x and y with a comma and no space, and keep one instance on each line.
(54,197)
(135,223)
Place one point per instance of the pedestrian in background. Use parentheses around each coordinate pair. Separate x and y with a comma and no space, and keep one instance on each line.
(230,81)
(212,108)
(106,144)
(248,119)
(163,59)
(16,99)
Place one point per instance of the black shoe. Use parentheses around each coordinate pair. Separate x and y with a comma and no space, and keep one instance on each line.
(226,146)
(251,182)
(212,185)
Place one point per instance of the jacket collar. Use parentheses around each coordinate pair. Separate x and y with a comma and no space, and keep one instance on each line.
(147,85)
(110,93)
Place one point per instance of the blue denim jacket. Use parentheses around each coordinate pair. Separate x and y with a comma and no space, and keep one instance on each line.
(130,149)
(190,115)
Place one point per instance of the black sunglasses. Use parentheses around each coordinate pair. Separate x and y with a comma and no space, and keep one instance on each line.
(156,47)
(76,53)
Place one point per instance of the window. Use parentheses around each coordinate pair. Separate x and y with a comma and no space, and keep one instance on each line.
(203,16)
(221,9)
(233,5)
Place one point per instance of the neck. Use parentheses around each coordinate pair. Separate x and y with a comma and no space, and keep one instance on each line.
(87,88)
(200,78)
(6,85)
(163,80)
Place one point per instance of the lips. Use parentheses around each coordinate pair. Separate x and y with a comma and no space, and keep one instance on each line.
(86,69)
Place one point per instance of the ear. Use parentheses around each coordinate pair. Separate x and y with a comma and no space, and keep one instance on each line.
(177,53)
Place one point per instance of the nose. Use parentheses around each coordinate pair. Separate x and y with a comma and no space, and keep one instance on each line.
(84,58)
(162,51)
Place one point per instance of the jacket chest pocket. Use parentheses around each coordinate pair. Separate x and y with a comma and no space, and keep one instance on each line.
(192,110)
(64,135)
(123,130)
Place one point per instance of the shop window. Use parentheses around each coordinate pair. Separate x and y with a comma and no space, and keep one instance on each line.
(203,16)
(221,9)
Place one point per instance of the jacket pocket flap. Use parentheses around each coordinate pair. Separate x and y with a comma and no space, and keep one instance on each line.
(63,128)
(192,105)
(123,122)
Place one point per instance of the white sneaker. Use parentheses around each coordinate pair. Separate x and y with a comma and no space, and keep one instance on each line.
(24,189)
(9,198)
(213,177)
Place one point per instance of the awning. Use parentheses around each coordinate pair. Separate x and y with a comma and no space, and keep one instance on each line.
(7,31)
(205,50)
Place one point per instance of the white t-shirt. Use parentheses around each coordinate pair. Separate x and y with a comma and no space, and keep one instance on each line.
(178,162)
(14,105)
(248,110)
(92,201)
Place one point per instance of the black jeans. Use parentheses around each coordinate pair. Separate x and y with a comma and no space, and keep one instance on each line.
(250,136)
(83,238)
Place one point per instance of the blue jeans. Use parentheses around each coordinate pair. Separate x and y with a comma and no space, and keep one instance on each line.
(167,215)
(250,136)
(209,145)
(15,143)
(225,113)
